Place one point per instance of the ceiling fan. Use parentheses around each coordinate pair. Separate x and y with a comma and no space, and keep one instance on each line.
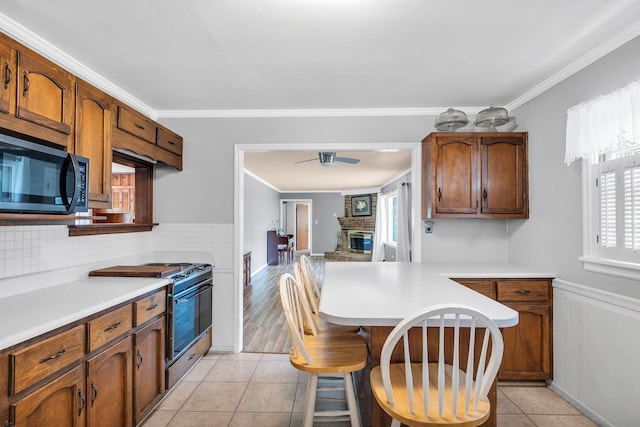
(328,157)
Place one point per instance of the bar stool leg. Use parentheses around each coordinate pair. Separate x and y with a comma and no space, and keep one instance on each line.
(352,402)
(310,400)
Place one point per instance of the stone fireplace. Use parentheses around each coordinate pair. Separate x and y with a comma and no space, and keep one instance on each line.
(361,228)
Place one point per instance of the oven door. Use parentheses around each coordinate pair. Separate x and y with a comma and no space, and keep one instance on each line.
(191,317)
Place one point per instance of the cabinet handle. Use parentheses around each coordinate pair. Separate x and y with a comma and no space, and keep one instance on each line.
(112,327)
(484,194)
(152,307)
(439,194)
(523,291)
(139,359)
(171,142)
(54,356)
(27,83)
(8,75)
(95,393)
(83,401)
(138,126)
(192,356)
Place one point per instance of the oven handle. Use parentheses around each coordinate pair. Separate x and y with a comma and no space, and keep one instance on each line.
(189,294)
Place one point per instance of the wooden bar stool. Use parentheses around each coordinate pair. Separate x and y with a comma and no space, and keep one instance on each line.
(305,277)
(437,394)
(336,354)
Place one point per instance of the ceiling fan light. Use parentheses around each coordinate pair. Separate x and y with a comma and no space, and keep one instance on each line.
(326,158)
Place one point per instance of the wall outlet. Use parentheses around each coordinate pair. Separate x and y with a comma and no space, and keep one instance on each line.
(428,226)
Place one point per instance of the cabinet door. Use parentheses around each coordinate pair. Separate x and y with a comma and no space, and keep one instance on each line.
(456,165)
(109,386)
(62,402)
(7,78)
(149,372)
(93,140)
(527,346)
(504,176)
(45,93)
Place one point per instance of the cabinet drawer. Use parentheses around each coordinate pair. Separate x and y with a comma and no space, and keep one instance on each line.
(169,141)
(136,124)
(188,359)
(485,287)
(523,290)
(109,326)
(43,358)
(149,307)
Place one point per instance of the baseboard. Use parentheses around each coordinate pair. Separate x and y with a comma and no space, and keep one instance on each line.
(586,411)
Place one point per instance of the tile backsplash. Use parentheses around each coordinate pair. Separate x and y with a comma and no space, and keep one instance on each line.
(33,249)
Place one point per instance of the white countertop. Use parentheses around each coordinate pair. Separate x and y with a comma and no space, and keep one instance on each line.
(27,315)
(384,293)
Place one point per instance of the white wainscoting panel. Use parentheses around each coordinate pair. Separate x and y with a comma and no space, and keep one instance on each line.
(597,352)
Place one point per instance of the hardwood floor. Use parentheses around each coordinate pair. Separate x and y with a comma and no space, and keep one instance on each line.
(265,330)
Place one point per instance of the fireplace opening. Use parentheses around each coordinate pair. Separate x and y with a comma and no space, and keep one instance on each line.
(360,241)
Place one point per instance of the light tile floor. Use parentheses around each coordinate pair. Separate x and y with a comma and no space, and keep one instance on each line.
(264,390)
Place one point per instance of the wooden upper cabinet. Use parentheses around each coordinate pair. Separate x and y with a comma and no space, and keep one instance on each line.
(46,97)
(456,162)
(7,78)
(475,175)
(93,140)
(504,175)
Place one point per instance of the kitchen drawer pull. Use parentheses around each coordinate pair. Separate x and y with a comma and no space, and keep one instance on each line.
(83,401)
(171,142)
(138,126)
(27,83)
(112,327)
(95,393)
(152,307)
(54,356)
(523,291)
(192,356)
(7,75)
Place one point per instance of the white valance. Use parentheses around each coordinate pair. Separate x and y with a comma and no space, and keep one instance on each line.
(604,124)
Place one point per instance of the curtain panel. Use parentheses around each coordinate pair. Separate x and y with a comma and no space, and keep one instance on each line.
(604,124)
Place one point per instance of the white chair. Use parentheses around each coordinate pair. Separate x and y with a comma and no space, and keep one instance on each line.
(338,354)
(436,394)
(305,279)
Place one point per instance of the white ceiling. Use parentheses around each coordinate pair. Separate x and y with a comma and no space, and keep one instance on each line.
(199,58)
(280,170)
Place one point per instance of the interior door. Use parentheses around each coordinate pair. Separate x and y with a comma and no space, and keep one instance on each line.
(302,227)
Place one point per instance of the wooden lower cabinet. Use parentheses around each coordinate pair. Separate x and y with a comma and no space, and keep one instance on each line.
(62,402)
(528,346)
(527,349)
(149,354)
(100,371)
(109,399)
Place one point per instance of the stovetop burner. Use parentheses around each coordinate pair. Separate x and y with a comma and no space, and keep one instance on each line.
(189,273)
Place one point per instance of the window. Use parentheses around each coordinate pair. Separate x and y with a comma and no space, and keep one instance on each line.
(611,182)
(613,230)
(392,217)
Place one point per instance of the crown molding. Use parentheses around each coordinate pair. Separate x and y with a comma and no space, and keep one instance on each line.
(51,52)
(311,112)
(261,180)
(592,56)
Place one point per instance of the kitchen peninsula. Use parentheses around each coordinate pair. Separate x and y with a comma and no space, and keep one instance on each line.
(377,296)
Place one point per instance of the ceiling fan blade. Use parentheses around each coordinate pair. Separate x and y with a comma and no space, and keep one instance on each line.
(308,160)
(347,160)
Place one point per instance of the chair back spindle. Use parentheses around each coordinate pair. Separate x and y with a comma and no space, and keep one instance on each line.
(457,391)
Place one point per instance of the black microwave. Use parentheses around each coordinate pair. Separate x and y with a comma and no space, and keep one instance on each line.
(35,178)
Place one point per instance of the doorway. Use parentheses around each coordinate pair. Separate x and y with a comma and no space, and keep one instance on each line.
(239,179)
(295,216)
